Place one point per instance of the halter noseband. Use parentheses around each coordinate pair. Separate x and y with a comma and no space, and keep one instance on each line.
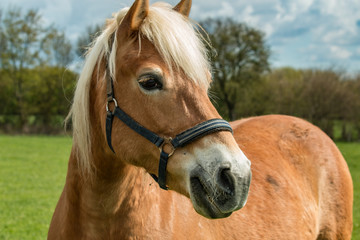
(181,140)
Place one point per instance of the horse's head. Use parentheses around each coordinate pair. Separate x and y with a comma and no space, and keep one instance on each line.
(161,77)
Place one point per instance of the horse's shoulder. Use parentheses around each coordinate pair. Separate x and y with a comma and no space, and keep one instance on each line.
(277,127)
(270,120)
(294,140)
(284,137)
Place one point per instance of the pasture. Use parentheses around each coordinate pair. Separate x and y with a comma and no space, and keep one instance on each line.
(32,174)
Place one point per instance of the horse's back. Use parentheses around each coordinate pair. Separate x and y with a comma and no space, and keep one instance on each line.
(301,186)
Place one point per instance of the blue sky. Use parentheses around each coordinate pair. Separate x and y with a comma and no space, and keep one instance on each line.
(301,33)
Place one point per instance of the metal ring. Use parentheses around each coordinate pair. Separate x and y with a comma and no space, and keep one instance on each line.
(107,104)
(167,142)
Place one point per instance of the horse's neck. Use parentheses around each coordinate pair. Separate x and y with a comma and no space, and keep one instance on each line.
(111,198)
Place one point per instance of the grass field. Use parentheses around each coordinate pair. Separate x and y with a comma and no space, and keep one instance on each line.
(32,174)
(351,152)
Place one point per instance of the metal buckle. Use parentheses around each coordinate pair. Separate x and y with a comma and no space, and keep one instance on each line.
(167,147)
(107,104)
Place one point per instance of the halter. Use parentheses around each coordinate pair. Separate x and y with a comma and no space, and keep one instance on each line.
(166,145)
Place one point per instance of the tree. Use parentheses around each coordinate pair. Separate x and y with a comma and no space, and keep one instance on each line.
(352,112)
(325,98)
(356,116)
(58,48)
(319,96)
(21,49)
(27,44)
(242,56)
(84,40)
(50,95)
(284,87)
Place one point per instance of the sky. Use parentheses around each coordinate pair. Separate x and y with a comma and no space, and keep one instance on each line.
(300,33)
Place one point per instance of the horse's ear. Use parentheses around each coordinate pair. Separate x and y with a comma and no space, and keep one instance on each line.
(183,7)
(136,15)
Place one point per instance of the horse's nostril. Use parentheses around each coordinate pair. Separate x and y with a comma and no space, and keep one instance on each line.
(226,182)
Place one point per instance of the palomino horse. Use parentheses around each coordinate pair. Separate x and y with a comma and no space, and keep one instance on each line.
(145,79)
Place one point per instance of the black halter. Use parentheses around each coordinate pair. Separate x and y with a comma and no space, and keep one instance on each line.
(181,140)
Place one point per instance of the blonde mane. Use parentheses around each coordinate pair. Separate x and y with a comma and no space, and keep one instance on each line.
(176,39)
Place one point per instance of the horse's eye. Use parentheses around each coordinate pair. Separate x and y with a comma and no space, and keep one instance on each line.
(150,82)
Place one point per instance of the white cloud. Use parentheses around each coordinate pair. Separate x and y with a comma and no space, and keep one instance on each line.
(339,21)
(268,29)
(56,11)
(340,53)
(226,9)
(211,10)
(358,51)
(334,35)
(248,15)
(290,10)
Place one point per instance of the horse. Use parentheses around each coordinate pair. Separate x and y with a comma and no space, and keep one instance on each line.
(152,158)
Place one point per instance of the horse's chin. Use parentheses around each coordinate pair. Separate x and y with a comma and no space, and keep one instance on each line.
(210,210)
(204,204)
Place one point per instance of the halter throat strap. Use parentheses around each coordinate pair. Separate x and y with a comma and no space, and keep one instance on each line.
(167,146)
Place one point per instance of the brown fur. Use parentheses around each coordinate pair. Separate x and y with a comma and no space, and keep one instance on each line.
(301,189)
(301,186)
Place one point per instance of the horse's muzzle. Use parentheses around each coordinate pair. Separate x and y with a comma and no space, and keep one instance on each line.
(218,194)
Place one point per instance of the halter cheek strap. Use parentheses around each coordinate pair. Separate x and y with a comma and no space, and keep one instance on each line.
(167,146)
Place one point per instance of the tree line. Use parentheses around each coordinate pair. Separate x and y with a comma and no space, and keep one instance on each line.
(328,98)
(36,85)
(33,76)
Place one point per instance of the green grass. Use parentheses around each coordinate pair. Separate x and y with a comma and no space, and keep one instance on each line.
(32,175)
(351,152)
